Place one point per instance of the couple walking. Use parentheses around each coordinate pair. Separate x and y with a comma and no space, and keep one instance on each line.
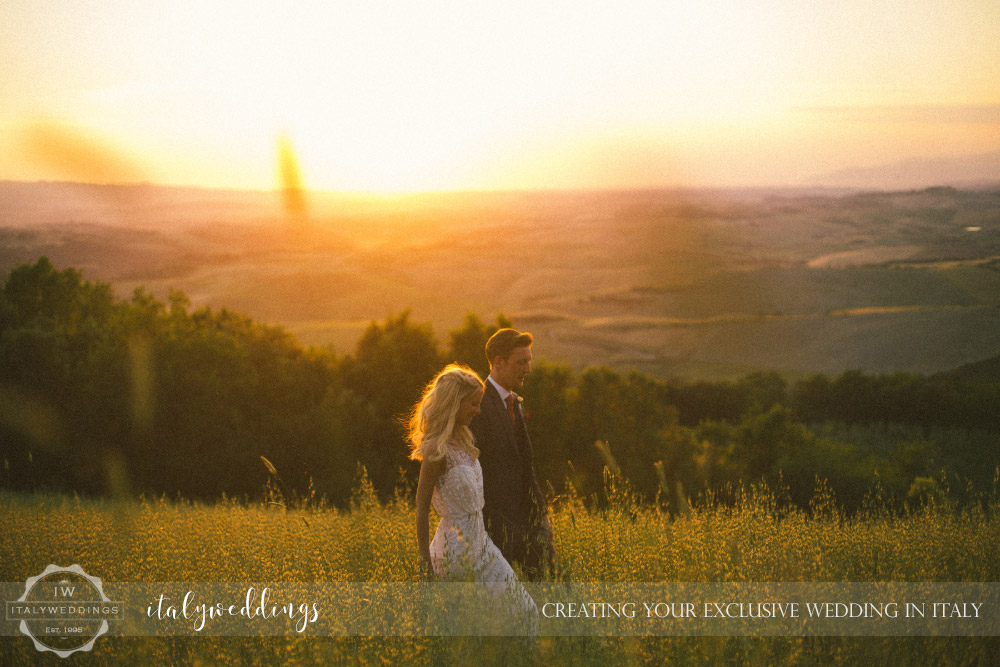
(476,469)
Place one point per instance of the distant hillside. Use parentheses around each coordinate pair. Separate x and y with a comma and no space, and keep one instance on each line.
(986,371)
(969,171)
(674,283)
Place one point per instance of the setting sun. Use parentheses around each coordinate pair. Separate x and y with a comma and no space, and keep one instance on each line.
(389,96)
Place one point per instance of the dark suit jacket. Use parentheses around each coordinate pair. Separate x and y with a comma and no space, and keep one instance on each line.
(515,511)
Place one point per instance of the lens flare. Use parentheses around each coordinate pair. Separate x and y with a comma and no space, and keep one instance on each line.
(293,192)
(76,155)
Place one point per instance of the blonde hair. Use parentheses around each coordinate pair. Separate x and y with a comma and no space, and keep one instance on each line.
(432,421)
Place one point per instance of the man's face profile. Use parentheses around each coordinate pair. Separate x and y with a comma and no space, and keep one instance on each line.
(510,372)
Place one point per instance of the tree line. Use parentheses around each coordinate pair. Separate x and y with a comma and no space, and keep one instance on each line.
(101,395)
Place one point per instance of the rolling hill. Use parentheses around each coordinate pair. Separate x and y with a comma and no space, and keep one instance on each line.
(673,283)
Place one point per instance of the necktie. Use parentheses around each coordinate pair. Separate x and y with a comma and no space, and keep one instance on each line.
(510,406)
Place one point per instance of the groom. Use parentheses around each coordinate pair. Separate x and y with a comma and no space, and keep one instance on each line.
(515,510)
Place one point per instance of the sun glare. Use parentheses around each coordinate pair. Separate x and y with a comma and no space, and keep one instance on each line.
(390,97)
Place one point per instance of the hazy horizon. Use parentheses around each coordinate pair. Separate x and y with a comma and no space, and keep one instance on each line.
(833,184)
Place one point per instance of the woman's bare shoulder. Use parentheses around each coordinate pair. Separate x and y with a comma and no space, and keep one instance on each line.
(433,466)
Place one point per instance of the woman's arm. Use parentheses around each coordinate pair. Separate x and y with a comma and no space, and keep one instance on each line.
(429,473)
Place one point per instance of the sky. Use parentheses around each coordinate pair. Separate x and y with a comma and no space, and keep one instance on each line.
(443,95)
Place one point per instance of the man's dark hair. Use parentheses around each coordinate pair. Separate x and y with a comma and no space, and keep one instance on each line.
(505,341)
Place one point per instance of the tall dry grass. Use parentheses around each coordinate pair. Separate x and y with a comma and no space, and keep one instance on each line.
(752,537)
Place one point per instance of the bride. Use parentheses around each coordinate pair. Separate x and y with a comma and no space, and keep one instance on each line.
(451,479)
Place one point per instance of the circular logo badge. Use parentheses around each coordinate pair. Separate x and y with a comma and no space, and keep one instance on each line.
(64,610)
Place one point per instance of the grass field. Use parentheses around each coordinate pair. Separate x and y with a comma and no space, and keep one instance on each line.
(752,539)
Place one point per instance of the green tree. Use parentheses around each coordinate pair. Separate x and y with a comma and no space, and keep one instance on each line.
(467,344)
(547,395)
(392,364)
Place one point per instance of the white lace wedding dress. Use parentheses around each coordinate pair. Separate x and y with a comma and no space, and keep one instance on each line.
(462,550)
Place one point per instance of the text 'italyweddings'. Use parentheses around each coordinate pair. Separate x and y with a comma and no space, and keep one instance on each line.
(253,607)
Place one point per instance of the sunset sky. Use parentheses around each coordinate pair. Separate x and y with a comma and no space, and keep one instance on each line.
(399,96)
